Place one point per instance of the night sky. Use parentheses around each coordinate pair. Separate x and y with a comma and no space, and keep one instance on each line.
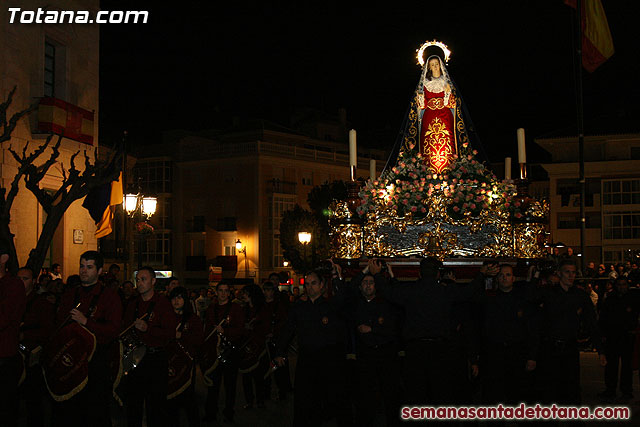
(193,65)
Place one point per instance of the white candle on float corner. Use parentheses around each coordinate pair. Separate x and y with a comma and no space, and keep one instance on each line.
(353,154)
(507,168)
(372,169)
(522,151)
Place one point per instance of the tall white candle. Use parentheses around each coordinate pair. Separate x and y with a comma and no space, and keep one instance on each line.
(507,168)
(372,169)
(522,151)
(353,151)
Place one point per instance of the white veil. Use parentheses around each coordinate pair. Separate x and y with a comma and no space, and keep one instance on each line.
(435,84)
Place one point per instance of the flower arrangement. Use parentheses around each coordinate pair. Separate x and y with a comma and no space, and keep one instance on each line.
(467,187)
(144,227)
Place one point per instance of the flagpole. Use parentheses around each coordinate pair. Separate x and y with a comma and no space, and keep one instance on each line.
(125,244)
(580,107)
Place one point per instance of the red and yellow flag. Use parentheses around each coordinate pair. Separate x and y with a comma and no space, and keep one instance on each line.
(597,44)
(104,226)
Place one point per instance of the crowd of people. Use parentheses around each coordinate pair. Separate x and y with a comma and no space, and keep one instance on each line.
(360,343)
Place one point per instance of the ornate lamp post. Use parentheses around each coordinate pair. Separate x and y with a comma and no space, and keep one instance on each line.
(243,250)
(304,237)
(141,207)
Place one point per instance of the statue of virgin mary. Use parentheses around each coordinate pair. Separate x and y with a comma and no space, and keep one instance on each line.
(437,139)
(434,125)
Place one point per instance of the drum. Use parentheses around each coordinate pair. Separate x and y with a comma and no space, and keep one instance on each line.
(250,354)
(114,364)
(209,357)
(133,351)
(65,361)
(216,350)
(180,369)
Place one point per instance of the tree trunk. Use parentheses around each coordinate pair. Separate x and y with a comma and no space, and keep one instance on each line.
(7,238)
(39,253)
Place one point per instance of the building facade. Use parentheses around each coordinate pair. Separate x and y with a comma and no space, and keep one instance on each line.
(57,67)
(218,189)
(612,172)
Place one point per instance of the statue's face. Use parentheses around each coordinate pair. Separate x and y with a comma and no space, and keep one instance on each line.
(434,67)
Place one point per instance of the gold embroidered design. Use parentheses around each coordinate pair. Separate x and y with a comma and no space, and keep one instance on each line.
(437,147)
(435,103)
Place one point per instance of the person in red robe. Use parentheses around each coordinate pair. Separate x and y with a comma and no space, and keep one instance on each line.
(437,129)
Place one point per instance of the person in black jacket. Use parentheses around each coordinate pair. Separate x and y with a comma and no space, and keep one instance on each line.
(510,341)
(318,322)
(376,331)
(564,308)
(427,330)
(618,321)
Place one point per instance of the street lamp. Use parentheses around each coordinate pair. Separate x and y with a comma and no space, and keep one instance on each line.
(285,263)
(243,250)
(143,207)
(304,237)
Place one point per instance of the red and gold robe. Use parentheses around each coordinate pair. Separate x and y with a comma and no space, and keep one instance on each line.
(437,132)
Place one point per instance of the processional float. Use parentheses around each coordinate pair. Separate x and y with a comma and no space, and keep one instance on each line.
(434,197)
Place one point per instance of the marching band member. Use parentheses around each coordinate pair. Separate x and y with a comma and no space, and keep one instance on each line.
(155,324)
(189,337)
(99,310)
(277,308)
(227,319)
(258,324)
(37,326)
(12,304)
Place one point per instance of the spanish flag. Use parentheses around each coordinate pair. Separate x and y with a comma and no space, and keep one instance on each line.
(101,203)
(60,117)
(597,44)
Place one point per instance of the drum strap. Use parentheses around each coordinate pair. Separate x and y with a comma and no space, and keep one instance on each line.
(94,300)
(184,321)
(152,305)
(27,308)
(227,310)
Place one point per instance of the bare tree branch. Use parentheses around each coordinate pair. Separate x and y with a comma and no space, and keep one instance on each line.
(9,126)
(25,163)
(33,176)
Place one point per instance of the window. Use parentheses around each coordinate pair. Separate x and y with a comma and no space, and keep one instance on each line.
(307,178)
(49,69)
(155,176)
(569,190)
(162,218)
(621,192)
(622,225)
(229,245)
(156,250)
(279,205)
(277,251)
